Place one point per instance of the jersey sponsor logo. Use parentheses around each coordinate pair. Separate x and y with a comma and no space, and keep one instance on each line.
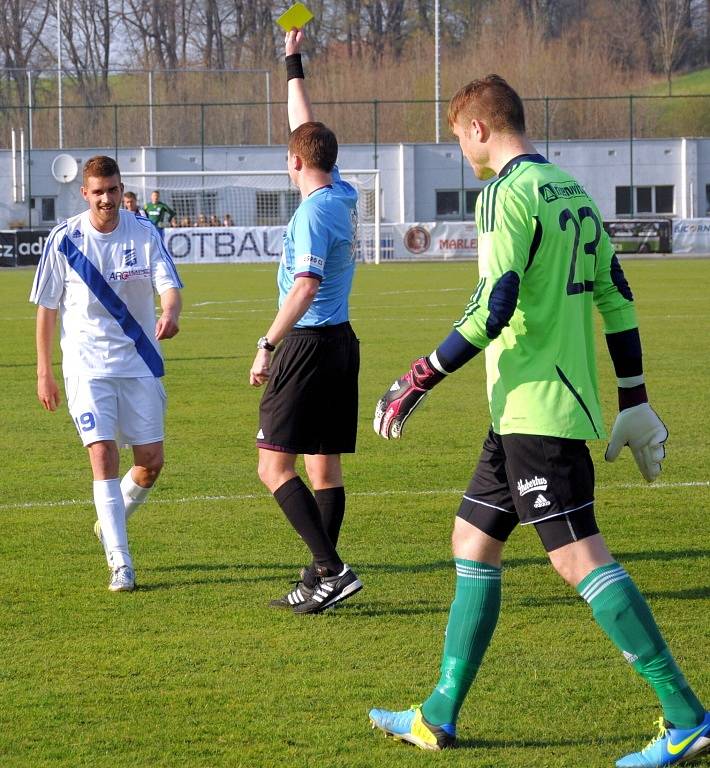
(119,275)
(311,260)
(534,484)
(541,502)
(129,257)
(553,191)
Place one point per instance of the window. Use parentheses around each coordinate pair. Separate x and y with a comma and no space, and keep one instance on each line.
(644,200)
(664,199)
(471,197)
(185,205)
(648,200)
(623,201)
(46,207)
(209,203)
(448,203)
(277,207)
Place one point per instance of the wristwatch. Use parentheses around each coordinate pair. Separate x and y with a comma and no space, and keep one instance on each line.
(264,343)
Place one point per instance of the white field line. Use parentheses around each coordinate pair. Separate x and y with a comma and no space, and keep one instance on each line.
(252,496)
(352,296)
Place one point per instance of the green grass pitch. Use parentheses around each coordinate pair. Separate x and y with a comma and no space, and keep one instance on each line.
(195,671)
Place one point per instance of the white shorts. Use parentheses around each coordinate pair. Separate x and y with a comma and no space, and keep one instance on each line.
(129,411)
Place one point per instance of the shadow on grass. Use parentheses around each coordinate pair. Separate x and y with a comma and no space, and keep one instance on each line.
(225,567)
(663,555)
(543,743)
(696,593)
(374,608)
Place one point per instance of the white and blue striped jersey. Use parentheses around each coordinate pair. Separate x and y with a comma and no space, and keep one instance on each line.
(319,242)
(104,287)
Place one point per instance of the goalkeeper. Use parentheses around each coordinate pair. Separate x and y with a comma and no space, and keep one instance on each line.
(544,260)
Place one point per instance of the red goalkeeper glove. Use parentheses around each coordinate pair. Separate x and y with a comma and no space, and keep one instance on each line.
(398,403)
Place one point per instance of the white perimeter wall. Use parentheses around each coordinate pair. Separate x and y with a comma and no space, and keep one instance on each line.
(410,173)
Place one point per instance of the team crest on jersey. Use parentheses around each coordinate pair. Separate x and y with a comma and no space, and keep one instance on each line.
(552,191)
(129,257)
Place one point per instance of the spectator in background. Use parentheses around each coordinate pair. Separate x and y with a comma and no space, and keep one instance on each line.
(130,203)
(201,221)
(214,220)
(228,221)
(159,213)
(185,222)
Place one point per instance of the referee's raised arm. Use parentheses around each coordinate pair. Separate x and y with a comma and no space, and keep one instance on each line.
(299,105)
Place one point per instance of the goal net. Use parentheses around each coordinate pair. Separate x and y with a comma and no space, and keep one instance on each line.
(251,199)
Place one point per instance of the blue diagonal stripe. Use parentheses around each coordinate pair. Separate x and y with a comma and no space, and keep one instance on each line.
(113,305)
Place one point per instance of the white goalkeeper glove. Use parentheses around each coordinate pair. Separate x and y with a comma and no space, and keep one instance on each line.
(640,428)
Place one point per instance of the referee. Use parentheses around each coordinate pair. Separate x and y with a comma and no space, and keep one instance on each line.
(310,403)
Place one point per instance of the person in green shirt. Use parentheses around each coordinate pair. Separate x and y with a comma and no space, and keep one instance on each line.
(544,262)
(158,212)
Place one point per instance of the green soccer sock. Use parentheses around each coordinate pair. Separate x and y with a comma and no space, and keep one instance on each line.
(472,619)
(624,615)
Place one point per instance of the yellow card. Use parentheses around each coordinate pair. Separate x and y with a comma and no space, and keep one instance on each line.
(296,16)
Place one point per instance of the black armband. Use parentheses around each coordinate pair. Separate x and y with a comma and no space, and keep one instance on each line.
(625,352)
(294,67)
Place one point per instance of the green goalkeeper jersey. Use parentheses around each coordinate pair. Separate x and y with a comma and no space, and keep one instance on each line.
(543,255)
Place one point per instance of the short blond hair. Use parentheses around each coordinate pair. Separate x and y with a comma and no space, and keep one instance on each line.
(490,99)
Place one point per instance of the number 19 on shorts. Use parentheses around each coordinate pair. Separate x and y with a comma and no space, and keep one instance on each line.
(85,422)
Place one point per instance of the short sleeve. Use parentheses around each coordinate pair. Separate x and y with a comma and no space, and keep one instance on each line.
(163,271)
(310,242)
(50,277)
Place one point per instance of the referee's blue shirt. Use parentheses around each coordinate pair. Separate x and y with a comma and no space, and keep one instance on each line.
(319,242)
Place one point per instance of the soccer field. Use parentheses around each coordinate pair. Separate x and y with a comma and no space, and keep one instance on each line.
(195,670)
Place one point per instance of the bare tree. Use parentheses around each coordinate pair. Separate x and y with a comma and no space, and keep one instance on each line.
(386,26)
(671,32)
(164,26)
(22,24)
(87,26)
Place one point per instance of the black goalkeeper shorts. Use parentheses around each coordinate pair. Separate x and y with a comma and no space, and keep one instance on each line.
(535,480)
(311,398)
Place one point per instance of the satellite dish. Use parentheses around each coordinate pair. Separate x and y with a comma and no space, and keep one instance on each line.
(64,168)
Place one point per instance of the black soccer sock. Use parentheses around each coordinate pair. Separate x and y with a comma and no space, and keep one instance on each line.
(301,509)
(331,503)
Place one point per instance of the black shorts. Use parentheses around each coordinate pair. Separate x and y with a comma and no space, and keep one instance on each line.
(310,402)
(535,480)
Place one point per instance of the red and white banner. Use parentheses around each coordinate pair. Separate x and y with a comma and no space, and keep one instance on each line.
(438,240)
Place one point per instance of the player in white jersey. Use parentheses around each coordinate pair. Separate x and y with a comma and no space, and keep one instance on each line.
(99,272)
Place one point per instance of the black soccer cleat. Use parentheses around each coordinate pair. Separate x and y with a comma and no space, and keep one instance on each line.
(299,594)
(330,590)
